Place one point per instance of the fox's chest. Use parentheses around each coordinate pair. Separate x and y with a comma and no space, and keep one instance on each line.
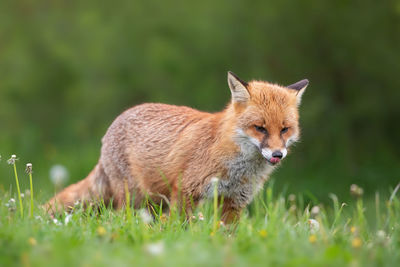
(245,176)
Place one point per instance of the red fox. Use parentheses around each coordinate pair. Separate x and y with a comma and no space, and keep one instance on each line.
(173,152)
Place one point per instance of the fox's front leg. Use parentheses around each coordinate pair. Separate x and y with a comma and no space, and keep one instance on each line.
(230,212)
(181,202)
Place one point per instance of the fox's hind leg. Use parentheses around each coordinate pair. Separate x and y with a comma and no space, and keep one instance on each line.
(93,189)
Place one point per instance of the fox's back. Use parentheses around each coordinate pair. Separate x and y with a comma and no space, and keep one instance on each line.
(144,136)
(152,128)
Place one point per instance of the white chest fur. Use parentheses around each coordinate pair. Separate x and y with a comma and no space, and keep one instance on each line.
(246,174)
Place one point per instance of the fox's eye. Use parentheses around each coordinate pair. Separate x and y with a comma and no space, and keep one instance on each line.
(261,129)
(284,130)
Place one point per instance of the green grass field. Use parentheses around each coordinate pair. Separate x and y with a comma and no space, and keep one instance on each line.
(276,230)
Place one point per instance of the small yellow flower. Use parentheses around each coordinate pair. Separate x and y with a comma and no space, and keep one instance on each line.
(353,230)
(101,231)
(312,239)
(114,236)
(163,218)
(263,233)
(212,234)
(32,241)
(356,242)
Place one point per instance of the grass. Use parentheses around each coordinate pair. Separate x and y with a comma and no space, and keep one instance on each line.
(275,230)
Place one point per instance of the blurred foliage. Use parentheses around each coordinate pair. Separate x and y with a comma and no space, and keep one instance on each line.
(68,68)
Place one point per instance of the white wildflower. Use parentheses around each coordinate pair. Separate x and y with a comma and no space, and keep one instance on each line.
(67,218)
(155,248)
(58,175)
(314,225)
(22,195)
(57,222)
(201,216)
(381,234)
(382,238)
(77,204)
(145,216)
(11,204)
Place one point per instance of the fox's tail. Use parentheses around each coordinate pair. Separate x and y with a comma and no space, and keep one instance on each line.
(87,190)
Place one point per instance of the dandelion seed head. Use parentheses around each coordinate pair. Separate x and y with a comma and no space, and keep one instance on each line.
(27,192)
(145,216)
(381,234)
(315,211)
(314,225)
(11,205)
(382,238)
(28,168)
(155,248)
(12,160)
(58,175)
(57,222)
(67,218)
(356,191)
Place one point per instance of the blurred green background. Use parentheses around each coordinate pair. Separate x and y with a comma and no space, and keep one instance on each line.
(68,68)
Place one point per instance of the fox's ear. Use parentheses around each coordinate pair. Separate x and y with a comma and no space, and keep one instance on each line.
(300,88)
(238,88)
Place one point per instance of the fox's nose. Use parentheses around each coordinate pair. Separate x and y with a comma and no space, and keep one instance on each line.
(277,154)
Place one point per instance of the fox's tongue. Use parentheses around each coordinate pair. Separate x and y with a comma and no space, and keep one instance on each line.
(274,160)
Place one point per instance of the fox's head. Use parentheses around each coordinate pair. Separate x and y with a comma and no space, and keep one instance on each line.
(267,118)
